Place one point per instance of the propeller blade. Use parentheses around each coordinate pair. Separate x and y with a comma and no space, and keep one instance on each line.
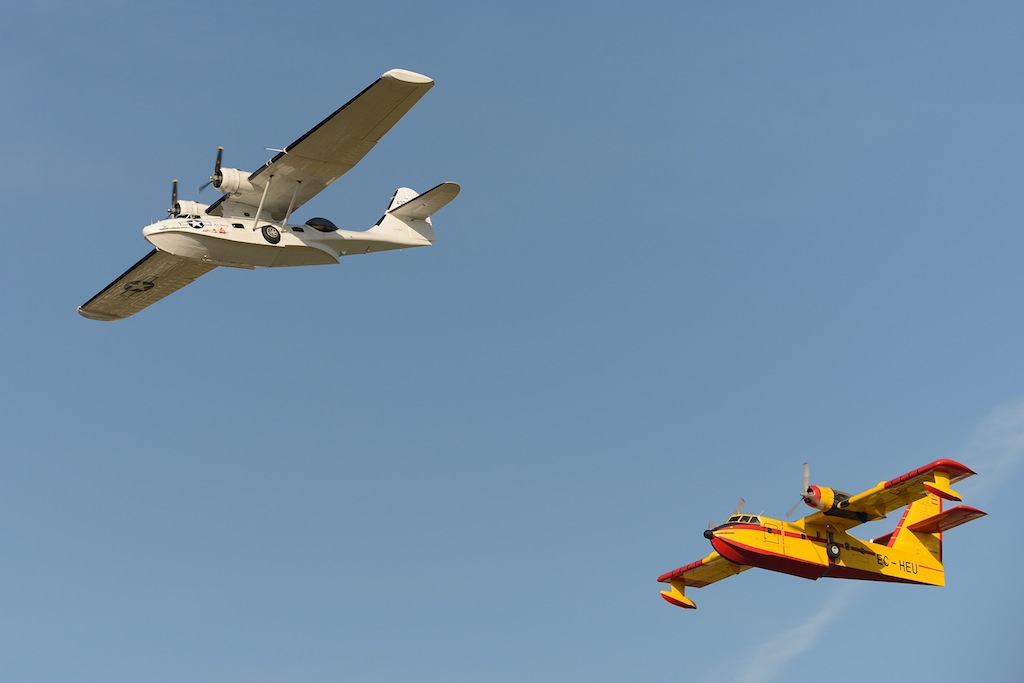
(217,175)
(173,211)
(739,507)
(803,491)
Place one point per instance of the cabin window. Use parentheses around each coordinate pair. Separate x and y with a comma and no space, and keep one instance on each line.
(237,225)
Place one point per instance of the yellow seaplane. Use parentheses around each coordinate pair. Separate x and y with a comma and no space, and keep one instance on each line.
(820,544)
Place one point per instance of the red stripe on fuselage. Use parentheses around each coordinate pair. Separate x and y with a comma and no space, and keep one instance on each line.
(756,557)
(837,571)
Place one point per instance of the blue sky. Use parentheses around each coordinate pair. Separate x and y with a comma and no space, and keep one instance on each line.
(697,245)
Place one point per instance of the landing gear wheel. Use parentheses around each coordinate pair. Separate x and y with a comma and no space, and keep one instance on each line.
(832,550)
(271,234)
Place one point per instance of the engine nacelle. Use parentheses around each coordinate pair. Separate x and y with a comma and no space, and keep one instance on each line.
(823,498)
(188,209)
(232,181)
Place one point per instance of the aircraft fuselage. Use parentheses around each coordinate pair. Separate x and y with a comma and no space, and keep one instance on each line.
(244,243)
(814,552)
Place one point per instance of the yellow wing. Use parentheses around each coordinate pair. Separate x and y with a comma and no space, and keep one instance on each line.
(697,574)
(875,503)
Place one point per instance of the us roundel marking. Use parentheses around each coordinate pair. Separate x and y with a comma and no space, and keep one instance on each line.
(136,286)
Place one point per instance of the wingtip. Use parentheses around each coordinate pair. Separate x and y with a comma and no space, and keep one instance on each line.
(410,77)
(676,598)
(92,315)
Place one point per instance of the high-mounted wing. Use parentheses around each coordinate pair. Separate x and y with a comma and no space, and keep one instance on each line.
(877,502)
(329,150)
(151,279)
(697,574)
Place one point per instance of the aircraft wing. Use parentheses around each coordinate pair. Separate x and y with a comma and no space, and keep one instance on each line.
(330,149)
(877,502)
(697,574)
(151,279)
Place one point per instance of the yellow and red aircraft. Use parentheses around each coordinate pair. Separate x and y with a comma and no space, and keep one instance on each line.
(819,545)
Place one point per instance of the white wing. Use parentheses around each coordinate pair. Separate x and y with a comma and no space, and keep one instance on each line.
(329,150)
(151,279)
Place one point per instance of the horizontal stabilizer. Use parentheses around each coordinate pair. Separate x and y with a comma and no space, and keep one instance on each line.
(941,491)
(427,204)
(949,519)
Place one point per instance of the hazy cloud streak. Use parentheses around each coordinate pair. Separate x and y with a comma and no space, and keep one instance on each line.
(768,658)
(995,447)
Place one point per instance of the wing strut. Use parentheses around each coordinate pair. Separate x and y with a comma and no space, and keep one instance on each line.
(256,220)
(291,204)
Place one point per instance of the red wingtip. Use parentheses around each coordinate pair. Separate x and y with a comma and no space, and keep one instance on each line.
(677,603)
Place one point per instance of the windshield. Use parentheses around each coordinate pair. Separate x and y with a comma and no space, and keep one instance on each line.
(744,519)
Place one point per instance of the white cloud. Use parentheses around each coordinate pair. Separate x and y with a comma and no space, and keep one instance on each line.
(995,447)
(769,657)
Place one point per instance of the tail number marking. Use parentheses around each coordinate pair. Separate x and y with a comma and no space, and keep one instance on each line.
(903,565)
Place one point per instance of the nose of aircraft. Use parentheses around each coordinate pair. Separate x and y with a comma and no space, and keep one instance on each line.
(150,229)
(709,534)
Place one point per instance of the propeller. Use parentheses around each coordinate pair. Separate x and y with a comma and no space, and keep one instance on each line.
(217,176)
(804,493)
(173,211)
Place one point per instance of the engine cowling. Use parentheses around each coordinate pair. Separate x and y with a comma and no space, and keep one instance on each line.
(232,181)
(189,209)
(823,498)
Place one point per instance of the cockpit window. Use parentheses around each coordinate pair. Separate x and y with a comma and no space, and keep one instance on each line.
(744,519)
(755,520)
(734,518)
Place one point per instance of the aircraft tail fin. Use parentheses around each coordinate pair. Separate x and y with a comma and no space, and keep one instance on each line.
(919,532)
(904,535)
(408,215)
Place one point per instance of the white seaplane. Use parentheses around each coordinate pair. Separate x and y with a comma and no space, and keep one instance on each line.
(248,227)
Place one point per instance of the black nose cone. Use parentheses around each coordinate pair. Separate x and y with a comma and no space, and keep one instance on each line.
(708,534)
